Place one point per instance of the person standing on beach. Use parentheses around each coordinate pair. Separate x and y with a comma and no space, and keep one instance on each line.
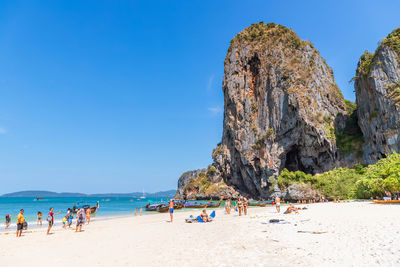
(141,211)
(88,212)
(278,204)
(136,212)
(228,206)
(80,219)
(171,209)
(8,220)
(39,218)
(240,206)
(50,219)
(20,222)
(245,205)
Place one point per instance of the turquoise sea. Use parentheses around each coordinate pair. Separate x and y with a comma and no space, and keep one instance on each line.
(109,207)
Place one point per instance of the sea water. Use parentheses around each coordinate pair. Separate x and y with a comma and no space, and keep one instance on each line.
(109,207)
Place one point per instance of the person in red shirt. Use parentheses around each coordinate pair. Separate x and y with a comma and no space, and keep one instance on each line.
(50,219)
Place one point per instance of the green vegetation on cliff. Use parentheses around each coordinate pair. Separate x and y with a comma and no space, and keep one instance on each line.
(392,41)
(361,182)
(350,139)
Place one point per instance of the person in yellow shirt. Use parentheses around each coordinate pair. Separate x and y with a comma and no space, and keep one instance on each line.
(20,222)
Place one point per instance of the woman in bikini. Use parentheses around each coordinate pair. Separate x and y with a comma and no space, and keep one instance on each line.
(245,205)
(228,206)
(204,216)
(39,218)
(240,206)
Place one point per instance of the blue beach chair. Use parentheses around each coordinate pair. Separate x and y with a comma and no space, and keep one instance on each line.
(212,215)
(199,219)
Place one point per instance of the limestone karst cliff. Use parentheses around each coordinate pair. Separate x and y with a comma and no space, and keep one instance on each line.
(377,87)
(204,184)
(281,109)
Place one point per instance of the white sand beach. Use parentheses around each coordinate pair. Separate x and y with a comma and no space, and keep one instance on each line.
(354,234)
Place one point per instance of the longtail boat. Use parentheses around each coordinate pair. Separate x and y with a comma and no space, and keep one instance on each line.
(258,204)
(152,207)
(196,205)
(163,208)
(85,207)
(214,205)
(386,201)
(178,206)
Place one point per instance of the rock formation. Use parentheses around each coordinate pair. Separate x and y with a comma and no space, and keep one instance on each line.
(281,109)
(204,184)
(377,87)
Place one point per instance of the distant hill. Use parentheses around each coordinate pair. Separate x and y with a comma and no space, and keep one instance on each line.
(41,194)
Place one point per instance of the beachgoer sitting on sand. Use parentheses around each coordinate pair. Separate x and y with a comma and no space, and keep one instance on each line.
(204,216)
(290,209)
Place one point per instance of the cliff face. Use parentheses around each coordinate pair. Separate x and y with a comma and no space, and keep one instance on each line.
(377,87)
(204,184)
(282,106)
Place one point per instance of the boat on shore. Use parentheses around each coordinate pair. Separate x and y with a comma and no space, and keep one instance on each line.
(386,201)
(85,207)
(214,205)
(258,204)
(195,205)
(153,207)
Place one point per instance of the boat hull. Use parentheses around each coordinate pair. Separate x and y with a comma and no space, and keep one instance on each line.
(386,201)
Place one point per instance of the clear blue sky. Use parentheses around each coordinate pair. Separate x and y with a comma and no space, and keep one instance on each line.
(116,96)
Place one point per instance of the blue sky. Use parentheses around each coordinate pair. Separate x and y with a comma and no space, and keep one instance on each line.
(116,96)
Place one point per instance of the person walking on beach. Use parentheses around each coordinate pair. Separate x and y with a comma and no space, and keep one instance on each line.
(39,218)
(20,222)
(136,212)
(171,209)
(278,204)
(70,217)
(141,211)
(88,212)
(80,219)
(50,219)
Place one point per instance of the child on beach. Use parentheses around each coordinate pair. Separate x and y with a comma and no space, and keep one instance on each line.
(39,218)
(8,220)
(70,217)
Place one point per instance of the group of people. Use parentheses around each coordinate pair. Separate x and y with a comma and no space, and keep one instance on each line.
(240,206)
(82,216)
